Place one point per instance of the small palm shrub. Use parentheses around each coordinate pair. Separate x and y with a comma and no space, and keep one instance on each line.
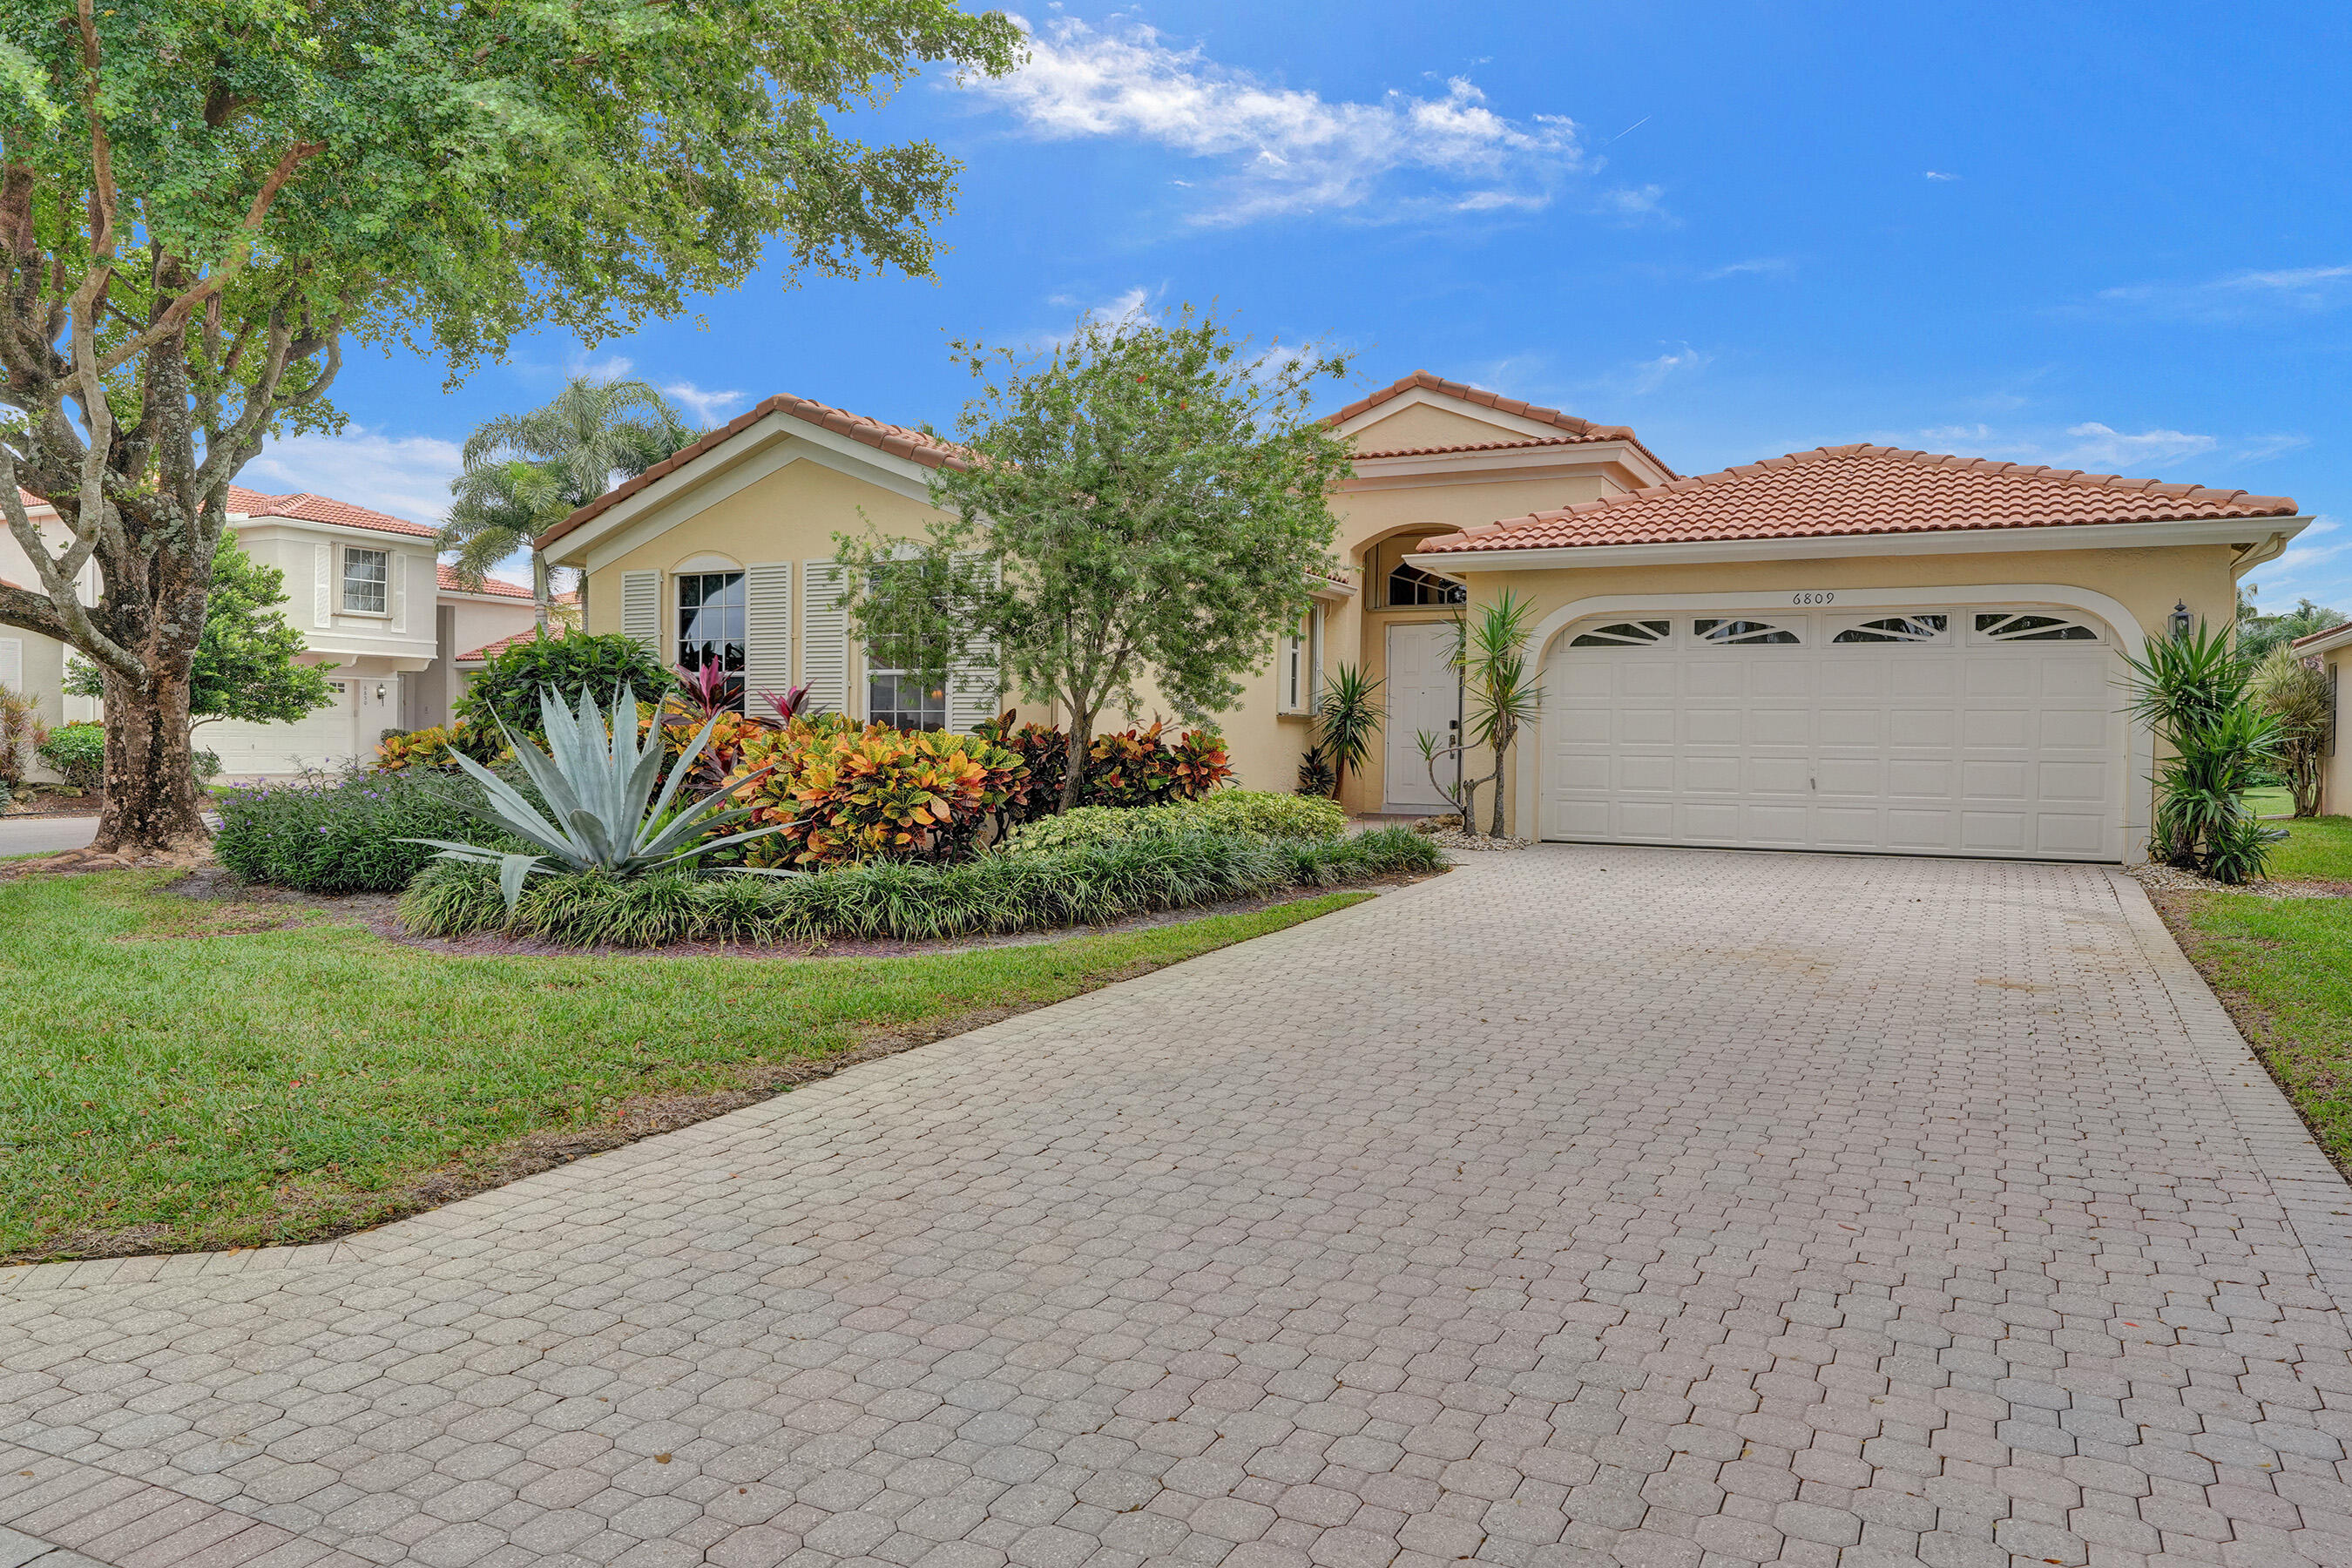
(907,900)
(1255,812)
(355,833)
(1316,774)
(77,752)
(837,794)
(507,691)
(2192,690)
(1348,720)
(2297,696)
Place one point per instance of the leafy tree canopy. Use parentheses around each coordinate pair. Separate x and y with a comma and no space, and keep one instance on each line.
(507,691)
(1145,504)
(2258,634)
(200,199)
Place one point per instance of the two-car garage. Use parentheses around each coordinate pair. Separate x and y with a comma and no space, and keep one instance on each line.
(1942,729)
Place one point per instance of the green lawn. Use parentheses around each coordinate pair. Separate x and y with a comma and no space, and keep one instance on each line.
(172,1079)
(2283,966)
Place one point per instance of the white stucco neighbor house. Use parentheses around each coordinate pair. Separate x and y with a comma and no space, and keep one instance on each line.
(369,596)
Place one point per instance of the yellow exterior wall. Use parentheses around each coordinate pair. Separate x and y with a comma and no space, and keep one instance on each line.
(2336,774)
(2148,583)
(1429,424)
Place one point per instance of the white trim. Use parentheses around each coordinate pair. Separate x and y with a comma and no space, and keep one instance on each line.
(2139,739)
(372,538)
(1950,542)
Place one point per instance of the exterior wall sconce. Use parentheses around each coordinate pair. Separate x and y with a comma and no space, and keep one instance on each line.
(2180,619)
(380,687)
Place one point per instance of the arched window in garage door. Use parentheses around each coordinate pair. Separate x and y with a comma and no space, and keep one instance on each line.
(1746,633)
(1624,634)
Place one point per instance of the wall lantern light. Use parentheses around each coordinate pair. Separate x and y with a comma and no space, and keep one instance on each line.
(379,684)
(2180,617)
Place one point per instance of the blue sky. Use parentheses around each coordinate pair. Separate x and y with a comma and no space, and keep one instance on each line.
(2109,237)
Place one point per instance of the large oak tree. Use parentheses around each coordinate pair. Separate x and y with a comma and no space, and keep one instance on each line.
(201,201)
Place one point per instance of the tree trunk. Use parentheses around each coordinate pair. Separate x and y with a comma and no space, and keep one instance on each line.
(539,594)
(1074,760)
(1501,751)
(150,801)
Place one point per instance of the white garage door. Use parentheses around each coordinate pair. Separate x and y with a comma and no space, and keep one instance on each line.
(323,738)
(1938,731)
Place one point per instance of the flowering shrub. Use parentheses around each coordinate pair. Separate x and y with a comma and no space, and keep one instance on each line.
(846,795)
(430,748)
(1125,767)
(340,834)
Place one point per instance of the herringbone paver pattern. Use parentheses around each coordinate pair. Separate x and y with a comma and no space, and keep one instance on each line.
(1584,1206)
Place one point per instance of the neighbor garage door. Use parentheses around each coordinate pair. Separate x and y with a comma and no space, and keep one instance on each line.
(1942,731)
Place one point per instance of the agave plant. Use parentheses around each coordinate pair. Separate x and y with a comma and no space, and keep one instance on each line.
(597,779)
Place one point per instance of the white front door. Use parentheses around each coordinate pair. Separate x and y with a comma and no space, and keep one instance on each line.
(1424,695)
(1979,731)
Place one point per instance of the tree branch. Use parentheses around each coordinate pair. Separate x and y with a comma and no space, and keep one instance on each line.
(101,151)
(239,256)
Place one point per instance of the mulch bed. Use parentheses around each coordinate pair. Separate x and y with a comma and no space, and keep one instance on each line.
(52,803)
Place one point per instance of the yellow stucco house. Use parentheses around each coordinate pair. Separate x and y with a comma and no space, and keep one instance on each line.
(1852,648)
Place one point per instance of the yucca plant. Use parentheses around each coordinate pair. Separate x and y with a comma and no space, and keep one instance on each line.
(1347,718)
(2191,689)
(2299,697)
(598,781)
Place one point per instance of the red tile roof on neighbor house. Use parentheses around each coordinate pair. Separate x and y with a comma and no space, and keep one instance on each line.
(490,650)
(896,439)
(449,582)
(1574,430)
(1858,489)
(243,502)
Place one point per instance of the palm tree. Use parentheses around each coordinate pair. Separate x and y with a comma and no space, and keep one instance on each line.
(525,472)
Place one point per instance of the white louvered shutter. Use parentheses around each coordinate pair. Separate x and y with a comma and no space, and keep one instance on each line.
(641,616)
(824,637)
(323,555)
(767,633)
(11,665)
(398,590)
(976,684)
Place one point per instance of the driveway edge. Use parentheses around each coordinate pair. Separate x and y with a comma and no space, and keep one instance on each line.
(2313,1195)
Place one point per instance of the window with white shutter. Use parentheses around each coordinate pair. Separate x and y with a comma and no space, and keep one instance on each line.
(975,685)
(641,616)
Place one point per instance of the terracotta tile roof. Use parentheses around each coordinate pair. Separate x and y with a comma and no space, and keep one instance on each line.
(896,439)
(304,508)
(1858,490)
(490,650)
(2336,630)
(1576,429)
(450,582)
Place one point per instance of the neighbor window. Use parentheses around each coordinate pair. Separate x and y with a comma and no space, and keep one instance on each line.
(367,582)
(710,628)
(1295,661)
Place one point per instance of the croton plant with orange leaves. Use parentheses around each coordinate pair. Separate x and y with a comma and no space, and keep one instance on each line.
(845,793)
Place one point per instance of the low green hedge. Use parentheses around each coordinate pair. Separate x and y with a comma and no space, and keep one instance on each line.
(343,835)
(1245,811)
(992,895)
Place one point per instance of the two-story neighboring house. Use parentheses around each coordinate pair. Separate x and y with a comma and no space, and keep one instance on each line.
(369,596)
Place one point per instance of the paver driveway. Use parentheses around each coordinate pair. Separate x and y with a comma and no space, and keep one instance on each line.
(1639,1207)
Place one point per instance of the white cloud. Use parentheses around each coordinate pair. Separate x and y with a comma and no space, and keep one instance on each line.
(407,476)
(1650,374)
(707,407)
(2099,447)
(1756,266)
(611,367)
(2099,444)
(1938,175)
(2239,293)
(1634,205)
(1285,149)
(2313,567)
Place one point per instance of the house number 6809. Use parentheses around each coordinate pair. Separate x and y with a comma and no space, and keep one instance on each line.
(1812,599)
